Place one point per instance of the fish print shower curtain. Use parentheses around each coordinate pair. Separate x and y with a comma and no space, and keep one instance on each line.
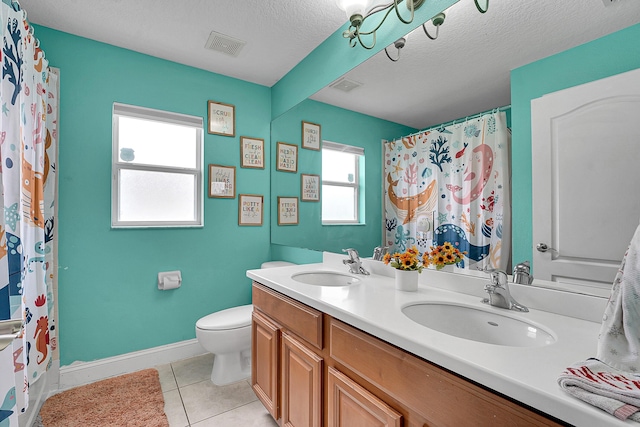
(451,184)
(28,94)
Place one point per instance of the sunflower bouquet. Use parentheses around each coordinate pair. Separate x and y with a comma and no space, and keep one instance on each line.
(409,260)
(441,255)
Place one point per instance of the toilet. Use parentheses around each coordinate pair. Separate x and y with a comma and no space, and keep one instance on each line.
(227,334)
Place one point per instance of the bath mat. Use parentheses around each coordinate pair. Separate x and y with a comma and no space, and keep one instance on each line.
(130,400)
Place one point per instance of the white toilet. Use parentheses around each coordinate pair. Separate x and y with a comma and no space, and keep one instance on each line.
(227,334)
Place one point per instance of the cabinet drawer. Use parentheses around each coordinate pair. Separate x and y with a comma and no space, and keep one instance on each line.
(296,317)
(441,397)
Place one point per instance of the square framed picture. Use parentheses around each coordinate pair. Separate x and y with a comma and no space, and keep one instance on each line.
(250,208)
(251,152)
(222,119)
(309,188)
(222,181)
(311,136)
(287,157)
(287,210)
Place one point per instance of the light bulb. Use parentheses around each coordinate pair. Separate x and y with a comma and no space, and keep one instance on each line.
(354,7)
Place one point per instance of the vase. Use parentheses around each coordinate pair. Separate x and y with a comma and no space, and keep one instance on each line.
(407,280)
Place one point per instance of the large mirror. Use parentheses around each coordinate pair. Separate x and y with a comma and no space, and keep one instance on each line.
(435,82)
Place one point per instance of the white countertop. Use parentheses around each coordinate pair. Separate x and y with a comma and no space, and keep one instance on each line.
(526,374)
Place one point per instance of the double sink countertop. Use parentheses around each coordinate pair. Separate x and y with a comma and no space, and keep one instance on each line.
(526,374)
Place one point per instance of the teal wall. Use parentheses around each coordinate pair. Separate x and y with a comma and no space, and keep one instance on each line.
(346,127)
(108,299)
(604,57)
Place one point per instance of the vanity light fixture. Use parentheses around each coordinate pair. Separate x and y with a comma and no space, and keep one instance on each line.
(399,44)
(358,11)
(436,21)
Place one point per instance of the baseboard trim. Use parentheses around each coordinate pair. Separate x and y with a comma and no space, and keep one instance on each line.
(81,373)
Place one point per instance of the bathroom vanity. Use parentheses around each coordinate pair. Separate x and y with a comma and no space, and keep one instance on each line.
(348,356)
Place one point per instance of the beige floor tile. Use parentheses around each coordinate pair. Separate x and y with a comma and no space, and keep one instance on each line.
(167,379)
(193,370)
(204,399)
(174,409)
(250,415)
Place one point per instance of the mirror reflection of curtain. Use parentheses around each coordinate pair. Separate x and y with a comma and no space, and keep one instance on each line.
(28,133)
(451,184)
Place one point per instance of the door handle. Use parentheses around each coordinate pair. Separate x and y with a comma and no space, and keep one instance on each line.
(9,330)
(542,247)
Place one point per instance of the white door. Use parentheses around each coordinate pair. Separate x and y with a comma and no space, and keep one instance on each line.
(586,181)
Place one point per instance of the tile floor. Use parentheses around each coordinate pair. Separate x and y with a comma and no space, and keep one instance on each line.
(192,400)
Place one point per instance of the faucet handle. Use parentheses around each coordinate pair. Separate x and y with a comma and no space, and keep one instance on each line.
(353,254)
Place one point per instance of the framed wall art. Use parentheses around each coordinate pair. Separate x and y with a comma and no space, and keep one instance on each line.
(222,181)
(287,157)
(222,119)
(287,210)
(311,136)
(250,208)
(251,152)
(309,188)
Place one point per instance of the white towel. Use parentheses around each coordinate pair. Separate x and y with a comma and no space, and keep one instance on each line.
(612,381)
(615,392)
(619,340)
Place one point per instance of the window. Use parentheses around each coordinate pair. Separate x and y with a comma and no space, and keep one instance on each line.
(340,183)
(156,168)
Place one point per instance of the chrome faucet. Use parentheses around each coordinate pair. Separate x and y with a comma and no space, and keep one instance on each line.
(378,252)
(354,263)
(499,295)
(521,273)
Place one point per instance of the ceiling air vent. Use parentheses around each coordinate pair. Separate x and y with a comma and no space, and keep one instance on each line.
(225,44)
(345,84)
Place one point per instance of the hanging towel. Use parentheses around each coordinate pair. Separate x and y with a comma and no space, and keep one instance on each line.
(611,381)
(596,383)
(619,340)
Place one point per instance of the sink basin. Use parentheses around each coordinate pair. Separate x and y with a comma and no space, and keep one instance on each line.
(325,278)
(476,324)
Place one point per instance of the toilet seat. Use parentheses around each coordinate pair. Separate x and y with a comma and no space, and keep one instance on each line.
(231,318)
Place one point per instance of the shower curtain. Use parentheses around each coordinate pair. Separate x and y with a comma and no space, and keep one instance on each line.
(28,95)
(451,184)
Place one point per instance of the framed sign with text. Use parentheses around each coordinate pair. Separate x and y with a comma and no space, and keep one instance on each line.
(287,210)
(287,157)
(309,188)
(250,208)
(222,119)
(311,136)
(222,181)
(251,152)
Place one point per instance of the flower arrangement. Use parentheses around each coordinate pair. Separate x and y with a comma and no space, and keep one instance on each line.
(408,260)
(444,254)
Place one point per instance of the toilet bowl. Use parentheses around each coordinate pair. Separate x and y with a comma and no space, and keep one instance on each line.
(227,334)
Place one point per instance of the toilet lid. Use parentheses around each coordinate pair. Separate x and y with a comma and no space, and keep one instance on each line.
(231,318)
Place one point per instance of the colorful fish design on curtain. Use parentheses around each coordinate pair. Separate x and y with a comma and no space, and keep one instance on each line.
(28,133)
(451,184)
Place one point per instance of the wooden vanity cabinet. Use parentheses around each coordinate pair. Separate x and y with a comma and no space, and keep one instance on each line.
(286,358)
(312,370)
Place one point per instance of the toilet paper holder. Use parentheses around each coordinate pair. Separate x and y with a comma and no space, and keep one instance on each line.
(169,280)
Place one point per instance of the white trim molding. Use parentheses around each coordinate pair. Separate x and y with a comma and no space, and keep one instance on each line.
(80,373)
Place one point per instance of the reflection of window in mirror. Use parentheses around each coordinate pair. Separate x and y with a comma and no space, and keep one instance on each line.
(341,191)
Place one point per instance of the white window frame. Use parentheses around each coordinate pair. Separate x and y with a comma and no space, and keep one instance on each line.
(124,110)
(359,152)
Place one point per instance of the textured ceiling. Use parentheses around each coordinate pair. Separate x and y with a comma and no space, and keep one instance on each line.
(464,71)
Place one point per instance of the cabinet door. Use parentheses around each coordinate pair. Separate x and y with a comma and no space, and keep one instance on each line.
(265,343)
(301,384)
(350,405)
